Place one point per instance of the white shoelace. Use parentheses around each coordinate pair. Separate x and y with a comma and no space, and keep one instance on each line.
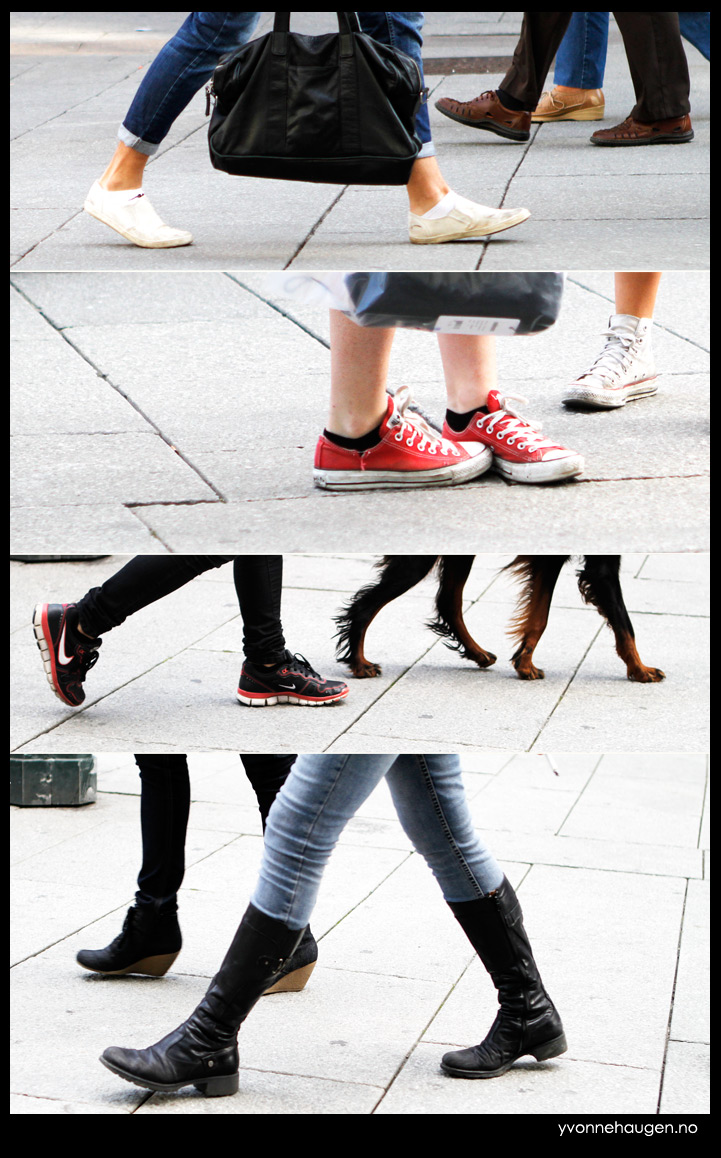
(514,426)
(613,361)
(408,422)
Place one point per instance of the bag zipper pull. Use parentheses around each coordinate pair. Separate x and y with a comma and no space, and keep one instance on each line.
(208,94)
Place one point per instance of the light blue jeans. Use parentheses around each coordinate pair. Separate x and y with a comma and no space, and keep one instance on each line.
(321,795)
(188,60)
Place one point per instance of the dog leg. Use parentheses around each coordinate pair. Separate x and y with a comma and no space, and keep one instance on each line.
(600,585)
(398,573)
(539,574)
(449,622)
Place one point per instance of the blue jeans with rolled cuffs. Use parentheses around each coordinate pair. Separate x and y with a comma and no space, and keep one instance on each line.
(188,60)
(324,792)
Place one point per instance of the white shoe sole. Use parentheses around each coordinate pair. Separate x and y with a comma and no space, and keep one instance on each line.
(480,231)
(273,700)
(609,399)
(89,208)
(540,472)
(370,480)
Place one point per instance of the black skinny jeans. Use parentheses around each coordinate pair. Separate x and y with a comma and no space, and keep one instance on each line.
(164,809)
(147,578)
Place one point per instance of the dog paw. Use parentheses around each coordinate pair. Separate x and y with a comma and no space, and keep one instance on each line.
(647,675)
(366,670)
(483,658)
(531,673)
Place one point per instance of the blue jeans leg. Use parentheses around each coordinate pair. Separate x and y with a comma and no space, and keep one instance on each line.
(321,795)
(696,28)
(403,30)
(180,69)
(581,57)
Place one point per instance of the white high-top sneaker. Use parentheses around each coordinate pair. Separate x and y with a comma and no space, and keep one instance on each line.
(623,370)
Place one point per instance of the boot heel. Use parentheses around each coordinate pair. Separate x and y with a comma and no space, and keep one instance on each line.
(156,966)
(218,1087)
(292,982)
(550,1048)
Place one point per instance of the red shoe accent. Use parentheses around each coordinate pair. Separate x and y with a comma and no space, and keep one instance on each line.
(520,453)
(410,452)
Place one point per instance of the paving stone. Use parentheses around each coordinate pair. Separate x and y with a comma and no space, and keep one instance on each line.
(562,1086)
(71,92)
(375,954)
(686,1079)
(691,1014)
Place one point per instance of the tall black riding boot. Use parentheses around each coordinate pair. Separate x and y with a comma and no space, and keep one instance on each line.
(203,1051)
(527,1021)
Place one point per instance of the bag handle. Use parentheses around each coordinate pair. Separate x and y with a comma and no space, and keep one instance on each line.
(347,25)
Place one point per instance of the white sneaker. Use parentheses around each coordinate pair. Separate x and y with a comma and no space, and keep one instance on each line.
(134,219)
(466,219)
(623,370)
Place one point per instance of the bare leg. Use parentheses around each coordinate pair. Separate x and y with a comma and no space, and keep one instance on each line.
(426,186)
(469,365)
(359,370)
(636,293)
(125,170)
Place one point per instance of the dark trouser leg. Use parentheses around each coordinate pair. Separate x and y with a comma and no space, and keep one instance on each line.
(267,774)
(658,64)
(541,34)
(143,580)
(259,586)
(164,808)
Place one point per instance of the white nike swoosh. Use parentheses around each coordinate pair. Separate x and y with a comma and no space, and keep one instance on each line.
(64,657)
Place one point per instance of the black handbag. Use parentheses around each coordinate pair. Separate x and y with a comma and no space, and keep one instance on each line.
(462,303)
(338,108)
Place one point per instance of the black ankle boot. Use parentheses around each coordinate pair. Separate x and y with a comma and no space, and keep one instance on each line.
(527,1021)
(203,1051)
(298,968)
(148,943)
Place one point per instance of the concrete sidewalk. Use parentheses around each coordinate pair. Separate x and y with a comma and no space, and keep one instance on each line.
(609,858)
(75,74)
(166,679)
(182,413)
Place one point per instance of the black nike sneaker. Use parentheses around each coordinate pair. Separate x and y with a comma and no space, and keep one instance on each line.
(67,654)
(292,681)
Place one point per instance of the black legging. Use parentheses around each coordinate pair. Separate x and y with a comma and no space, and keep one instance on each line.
(147,578)
(164,808)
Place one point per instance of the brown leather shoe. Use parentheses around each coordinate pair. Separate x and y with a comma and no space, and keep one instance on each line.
(487,112)
(570,104)
(674,130)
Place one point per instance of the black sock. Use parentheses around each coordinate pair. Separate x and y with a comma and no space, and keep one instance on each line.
(365,442)
(459,422)
(509,102)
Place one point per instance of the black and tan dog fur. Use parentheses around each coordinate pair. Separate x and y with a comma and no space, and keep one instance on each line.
(598,582)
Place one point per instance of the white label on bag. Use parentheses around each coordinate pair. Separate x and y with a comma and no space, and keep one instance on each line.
(448,324)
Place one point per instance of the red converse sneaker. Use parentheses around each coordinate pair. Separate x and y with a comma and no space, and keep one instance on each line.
(520,453)
(410,453)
